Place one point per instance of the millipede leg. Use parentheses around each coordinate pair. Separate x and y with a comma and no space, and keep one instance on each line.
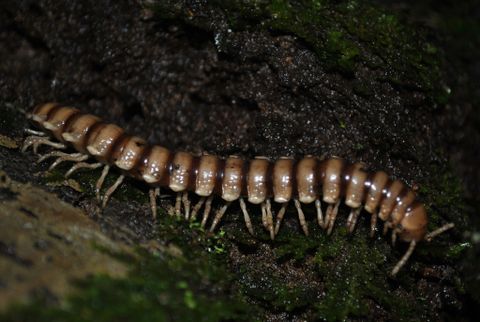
(373,224)
(100,181)
(197,208)
(404,259)
(206,211)
(246,216)
(111,190)
(34,132)
(186,204)
(218,216)
(36,141)
(394,236)
(56,154)
(153,194)
(333,216)
(178,204)
(328,213)
(268,208)
(81,165)
(264,215)
(75,157)
(352,219)
(280,215)
(301,217)
(318,206)
(62,156)
(438,231)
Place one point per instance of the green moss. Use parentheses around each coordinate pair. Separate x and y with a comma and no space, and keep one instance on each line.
(353,271)
(457,250)
(356,278)
(345,35)
(345,51)
(185,285)
(293,245)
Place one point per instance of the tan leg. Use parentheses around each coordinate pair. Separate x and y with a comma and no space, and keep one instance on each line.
(352,219)
(280,215)
(404,259)
(328,213)
(53,154)
(394,236)
(301,216)
(186,204)
(438,231)
(264,215)
(154,193)
(333,216)
(100,181)
(62,156)
(197,208)
(246,217)
(178,204)
(81,165)
(270,219)
(318,206)
(111,190)
(206,210)
(36,141)
(373,224)
(34,132)
(76,157)
(349,219)
(218,216)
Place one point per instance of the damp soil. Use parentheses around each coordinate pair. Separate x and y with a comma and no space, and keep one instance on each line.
(254,78)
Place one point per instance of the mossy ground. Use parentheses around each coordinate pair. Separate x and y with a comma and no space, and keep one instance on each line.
(186,273)
(180,281)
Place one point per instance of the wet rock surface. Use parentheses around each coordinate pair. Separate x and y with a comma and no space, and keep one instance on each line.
(252,80)
(46,244)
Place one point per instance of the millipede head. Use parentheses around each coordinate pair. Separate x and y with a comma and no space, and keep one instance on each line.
(413,226)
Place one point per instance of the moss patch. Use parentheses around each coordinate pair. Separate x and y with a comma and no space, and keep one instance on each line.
(182,285)
(346,35)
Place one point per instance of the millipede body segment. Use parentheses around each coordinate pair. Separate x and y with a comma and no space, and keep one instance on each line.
(258,181)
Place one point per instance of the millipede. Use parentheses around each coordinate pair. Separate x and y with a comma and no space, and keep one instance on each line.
(309,180)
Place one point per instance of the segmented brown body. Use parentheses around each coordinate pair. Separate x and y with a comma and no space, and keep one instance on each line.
(305,181)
